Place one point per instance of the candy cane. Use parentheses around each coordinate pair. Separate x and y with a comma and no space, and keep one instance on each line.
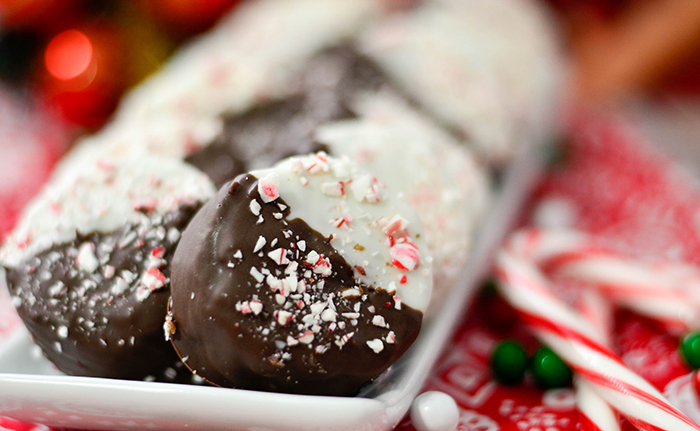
(668,292)
(598,416)
(573,337)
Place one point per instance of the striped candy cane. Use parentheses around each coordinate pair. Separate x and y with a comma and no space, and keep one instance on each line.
(668,292)
(580,343)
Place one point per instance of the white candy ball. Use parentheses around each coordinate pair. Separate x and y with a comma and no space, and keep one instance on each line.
(434,411)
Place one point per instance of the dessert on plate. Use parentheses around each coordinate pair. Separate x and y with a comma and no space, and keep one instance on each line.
(386,98)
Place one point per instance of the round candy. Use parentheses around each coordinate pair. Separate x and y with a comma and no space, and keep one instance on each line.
(434,411)
(549,370)
(305,278)
(508,362)
(690,348)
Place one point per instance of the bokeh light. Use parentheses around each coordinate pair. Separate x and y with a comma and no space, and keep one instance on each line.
(68,55)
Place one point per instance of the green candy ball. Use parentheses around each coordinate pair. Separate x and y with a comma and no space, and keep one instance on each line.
(690,348)
(549,370)
(508,362)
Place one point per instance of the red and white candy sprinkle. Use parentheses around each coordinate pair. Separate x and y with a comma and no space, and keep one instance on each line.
(268,187)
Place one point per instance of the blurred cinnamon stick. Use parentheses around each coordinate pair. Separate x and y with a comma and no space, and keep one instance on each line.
(615,61)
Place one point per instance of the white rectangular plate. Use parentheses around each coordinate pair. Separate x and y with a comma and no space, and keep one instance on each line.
(31,390)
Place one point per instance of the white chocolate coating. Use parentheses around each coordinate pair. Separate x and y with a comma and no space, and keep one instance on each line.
(489,69)
(102,196)
(438,177)
(340,200)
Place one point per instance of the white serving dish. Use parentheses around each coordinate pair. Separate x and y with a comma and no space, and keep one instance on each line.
(31,390)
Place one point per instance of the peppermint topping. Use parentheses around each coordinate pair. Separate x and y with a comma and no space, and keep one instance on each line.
(333,189)
(259,244)
(257,274)
(268,187)
(405,256)
(378,320)
(255,207)
(94,199)
(393,225)
(278,256)
(86,260)
(284,317)
(376,345)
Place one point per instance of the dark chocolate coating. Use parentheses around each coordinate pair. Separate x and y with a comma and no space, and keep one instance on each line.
(110,333)
(276,129)
(230,346)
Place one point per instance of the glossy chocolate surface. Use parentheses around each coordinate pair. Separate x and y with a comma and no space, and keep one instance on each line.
(87,304)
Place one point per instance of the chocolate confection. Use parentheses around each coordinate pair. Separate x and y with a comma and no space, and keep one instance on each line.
(343,103)
(104,322)
(273,130)
(88,267)
(262,300)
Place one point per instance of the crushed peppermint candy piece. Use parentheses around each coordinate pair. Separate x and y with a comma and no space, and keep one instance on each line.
(259,244)
(405,256)
(153,279)
(268,187)
(343,221)
(323,267)
(316,163)
(378,320)
(243,307)
(344,339)
(173,235)
(312,258)
(306,338)
(359,187)
(256,307)
(397,302)
(255,207)
(86,260)
(393,224)
(279,256)
(328,315)
(390,338)
(284,317)
(109,272)
(351,293)
(376,345)
(257,274)
(158,252)
(336,189)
